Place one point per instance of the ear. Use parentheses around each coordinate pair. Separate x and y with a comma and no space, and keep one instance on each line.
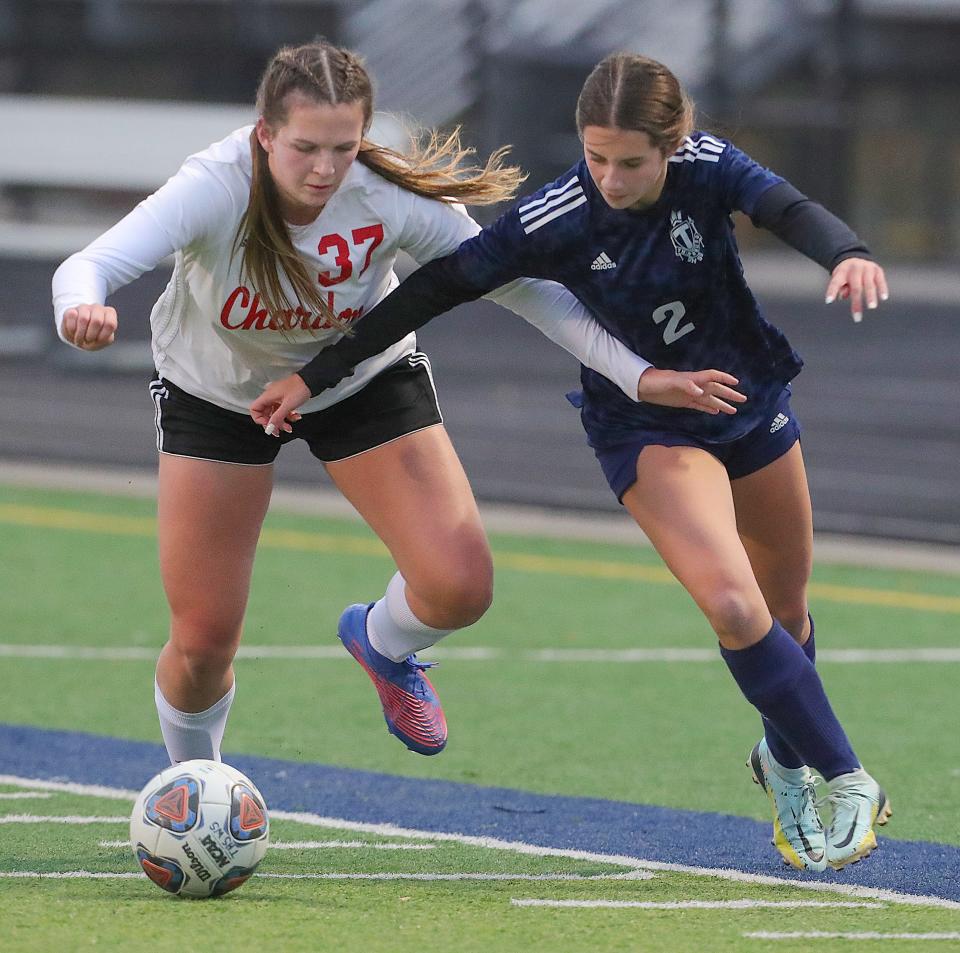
(264,135)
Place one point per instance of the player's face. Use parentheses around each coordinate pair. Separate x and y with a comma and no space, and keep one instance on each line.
(310,154)
(627,168)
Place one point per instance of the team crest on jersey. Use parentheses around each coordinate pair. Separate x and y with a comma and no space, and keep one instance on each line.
(687,241)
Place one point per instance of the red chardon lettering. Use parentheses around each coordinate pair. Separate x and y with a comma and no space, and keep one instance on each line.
(240,312)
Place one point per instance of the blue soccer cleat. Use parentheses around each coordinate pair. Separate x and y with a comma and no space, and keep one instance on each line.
(856,803)
(410,704)
(797,830)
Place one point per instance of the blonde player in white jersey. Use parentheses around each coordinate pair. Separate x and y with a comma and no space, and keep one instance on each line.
(285,233)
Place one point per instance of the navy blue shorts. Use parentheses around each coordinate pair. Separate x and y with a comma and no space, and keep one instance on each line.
(751,452)
(398,401)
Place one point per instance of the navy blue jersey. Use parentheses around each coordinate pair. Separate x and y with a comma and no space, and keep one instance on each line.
(666,281)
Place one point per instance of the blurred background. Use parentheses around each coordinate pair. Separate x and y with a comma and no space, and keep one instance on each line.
(854,101)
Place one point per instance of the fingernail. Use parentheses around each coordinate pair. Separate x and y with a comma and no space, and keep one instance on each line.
(871,305)
(829,299)
(885,296)
(857,317)
(270,430)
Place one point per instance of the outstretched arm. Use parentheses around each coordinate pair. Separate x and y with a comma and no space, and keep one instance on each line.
(827,240)
(439,286)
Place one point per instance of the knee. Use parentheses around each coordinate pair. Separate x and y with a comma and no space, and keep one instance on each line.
(204,646)
(460,590)
(468,593)
(732,614)
(792,617)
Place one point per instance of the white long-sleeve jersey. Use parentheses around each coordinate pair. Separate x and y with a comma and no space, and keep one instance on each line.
(211,333)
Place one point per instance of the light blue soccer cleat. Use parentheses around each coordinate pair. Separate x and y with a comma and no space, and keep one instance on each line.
(856,803)
(797,830)
(411,707)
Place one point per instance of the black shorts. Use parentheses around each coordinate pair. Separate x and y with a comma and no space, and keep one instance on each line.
(398,401)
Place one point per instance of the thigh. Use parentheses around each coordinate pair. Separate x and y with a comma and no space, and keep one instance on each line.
(775,523)
(682,501)
(415,496)
(209,519)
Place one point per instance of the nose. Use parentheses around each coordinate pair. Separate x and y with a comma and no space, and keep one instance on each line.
(611,181)
(323,165)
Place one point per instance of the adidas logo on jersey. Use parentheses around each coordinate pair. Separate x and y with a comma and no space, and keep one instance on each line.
(602,262)
(780,421)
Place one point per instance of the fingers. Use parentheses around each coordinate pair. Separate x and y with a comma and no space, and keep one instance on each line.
(278,422)
(90,326)
(860,281)
(276,408)
(719,398)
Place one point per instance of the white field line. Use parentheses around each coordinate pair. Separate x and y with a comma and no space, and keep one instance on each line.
(25,795)
(520,847)
(127,875)
(132,653)
(824,935)
(632,875)
(60,819)
(695,904)
(315,845)
(69,875)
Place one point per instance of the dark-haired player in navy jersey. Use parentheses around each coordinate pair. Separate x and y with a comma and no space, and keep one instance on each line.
(640,231)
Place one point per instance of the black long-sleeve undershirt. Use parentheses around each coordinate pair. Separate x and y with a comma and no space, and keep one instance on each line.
(807,226)
(434,288)
(439,285)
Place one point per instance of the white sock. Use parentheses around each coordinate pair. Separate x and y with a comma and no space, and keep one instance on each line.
(393,629)
(190,735)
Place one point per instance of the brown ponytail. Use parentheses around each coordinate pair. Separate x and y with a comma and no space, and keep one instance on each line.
(435,168)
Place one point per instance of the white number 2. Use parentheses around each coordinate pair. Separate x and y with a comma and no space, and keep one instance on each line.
(672,313)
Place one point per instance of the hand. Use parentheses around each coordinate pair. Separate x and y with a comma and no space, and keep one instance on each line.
(858,279)
(277,406)
(90,327)
(707,391)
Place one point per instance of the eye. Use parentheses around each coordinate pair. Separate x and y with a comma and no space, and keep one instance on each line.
(305,149)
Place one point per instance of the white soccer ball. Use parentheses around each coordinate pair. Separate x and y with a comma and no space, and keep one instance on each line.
(199,829)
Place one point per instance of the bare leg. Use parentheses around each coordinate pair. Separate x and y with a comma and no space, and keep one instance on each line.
(682,501)
(780,549)
(415,496)
(209,522)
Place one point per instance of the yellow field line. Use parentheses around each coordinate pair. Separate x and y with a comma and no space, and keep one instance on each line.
(111,524)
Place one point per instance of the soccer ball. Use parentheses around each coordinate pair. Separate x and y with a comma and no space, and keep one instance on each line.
(199,829)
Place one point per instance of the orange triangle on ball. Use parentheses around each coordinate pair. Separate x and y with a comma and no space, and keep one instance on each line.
(159,875)
(173,804)
(251,814)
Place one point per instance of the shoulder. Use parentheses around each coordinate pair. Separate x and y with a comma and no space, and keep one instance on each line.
(556,208)
(228,160)
(701,153)
(208,193)
(716,165)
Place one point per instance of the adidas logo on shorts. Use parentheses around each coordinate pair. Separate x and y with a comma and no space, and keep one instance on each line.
(780,421)
(602,262)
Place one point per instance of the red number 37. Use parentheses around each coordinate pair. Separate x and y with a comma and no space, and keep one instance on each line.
(360,236)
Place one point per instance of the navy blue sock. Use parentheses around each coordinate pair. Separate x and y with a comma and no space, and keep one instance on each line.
(777,744)
(778,679)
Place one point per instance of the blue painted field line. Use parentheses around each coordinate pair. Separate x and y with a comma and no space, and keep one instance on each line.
(657,834)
